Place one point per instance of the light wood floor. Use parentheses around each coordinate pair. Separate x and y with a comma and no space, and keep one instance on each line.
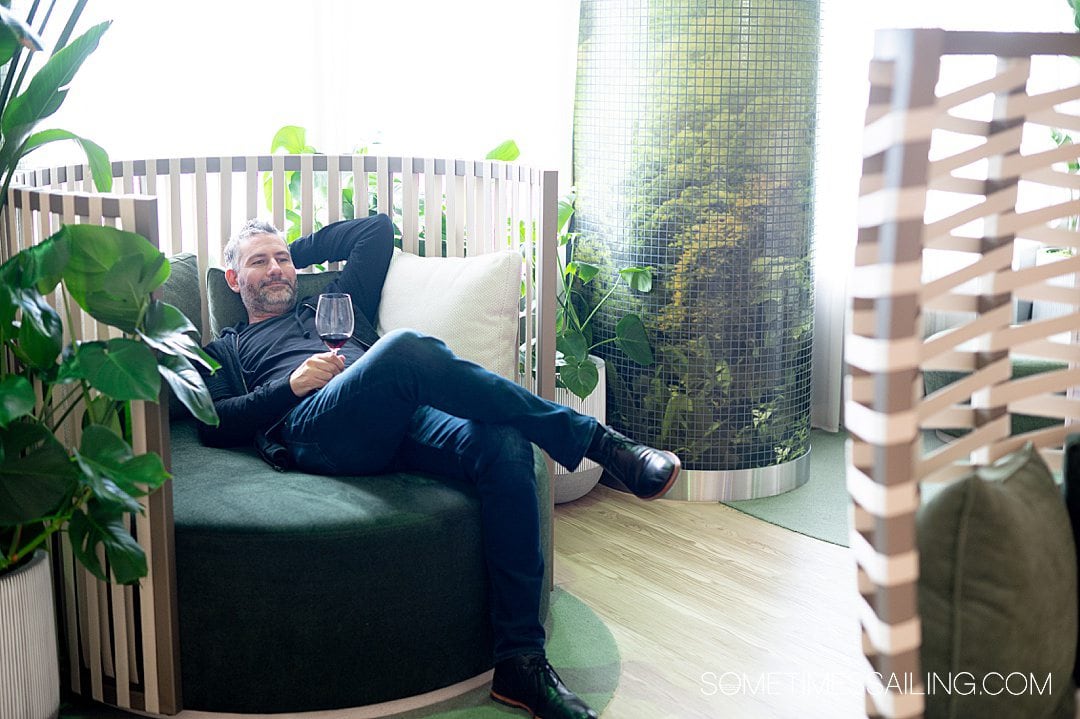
(716,613)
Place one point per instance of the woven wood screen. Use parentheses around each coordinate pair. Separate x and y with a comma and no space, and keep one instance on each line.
(961,177)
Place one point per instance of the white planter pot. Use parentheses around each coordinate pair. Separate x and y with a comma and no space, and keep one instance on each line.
(29,667)
(569,486)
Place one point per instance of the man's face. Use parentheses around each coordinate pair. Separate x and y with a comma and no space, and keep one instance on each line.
(266,280)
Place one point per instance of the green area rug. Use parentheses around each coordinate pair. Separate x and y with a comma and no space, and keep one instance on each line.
(819,508)
(579,646)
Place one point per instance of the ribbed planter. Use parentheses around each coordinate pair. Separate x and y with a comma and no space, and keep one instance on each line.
(569,486)
(29,669)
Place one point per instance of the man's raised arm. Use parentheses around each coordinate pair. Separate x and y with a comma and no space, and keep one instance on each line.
(367,244)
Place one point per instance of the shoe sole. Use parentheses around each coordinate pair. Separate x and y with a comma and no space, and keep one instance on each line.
(507,701)
(671,479)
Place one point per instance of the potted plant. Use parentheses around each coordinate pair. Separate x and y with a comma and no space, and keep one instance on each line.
(48,383)
(580,375)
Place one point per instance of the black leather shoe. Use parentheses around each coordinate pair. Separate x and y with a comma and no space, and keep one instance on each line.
(645,471)
(528,682)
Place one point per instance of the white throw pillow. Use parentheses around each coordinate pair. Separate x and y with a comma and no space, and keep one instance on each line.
(471,303)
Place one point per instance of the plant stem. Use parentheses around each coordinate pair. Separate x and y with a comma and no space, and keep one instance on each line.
(13,64)
(41,33)
(598,304)
(14,551)
(602,342)
(76,13)
(74,397)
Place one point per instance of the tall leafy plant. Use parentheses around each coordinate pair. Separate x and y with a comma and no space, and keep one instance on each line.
(47,378)
(574,339)
(22,110)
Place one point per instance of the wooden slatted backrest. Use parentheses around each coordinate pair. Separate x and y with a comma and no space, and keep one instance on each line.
(113,631)
(194,205)
(956,175)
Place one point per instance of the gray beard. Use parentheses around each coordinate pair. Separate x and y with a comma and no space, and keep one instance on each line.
(268,300)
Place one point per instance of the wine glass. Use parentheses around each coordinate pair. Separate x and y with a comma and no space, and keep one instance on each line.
(334,319)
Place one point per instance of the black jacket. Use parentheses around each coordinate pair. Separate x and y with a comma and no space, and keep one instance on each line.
(253,415)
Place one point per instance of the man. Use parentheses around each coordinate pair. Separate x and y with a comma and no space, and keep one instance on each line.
(405,402)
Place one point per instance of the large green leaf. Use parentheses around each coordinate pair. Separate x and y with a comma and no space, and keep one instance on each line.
(188,386)
(165,328)
(40,331)
(585,270)
(638,278)
(16,399)
(113,472)
(120,368)
(46,92)
(96,156)
(573,345)
(40,338)
(579,377)
(111,273)
(37,267)
(506,151)
(632,339)
(104,525)
(675,415)
(292,139)
(566,211)
(36,475)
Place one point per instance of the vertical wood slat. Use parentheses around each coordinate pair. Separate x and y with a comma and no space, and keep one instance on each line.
(307,195)
(410,208)
(251,187)
(176,235)
(128,172)
(333,190)
(226,226)
(548,213)
(455,212)
(523,214)
(277,174)
(906,167)
(433,202)
(202,231)
(361,198)
(384,187)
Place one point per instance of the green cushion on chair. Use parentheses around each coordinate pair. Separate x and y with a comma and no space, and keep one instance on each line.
(301,592)
(997,593)
(1021,367)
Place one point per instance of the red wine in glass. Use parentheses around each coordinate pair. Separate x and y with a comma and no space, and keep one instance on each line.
(334,319)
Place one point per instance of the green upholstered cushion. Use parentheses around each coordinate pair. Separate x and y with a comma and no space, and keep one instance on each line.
(1021,367)
(227,309)
(301,592)
(181,290)
(997,591)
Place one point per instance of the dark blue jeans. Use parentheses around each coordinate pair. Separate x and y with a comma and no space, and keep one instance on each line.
(410,404)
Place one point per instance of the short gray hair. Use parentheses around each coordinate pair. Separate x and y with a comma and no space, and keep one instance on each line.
(249,229)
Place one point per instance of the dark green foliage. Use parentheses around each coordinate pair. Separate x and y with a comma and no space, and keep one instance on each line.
(90,490)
